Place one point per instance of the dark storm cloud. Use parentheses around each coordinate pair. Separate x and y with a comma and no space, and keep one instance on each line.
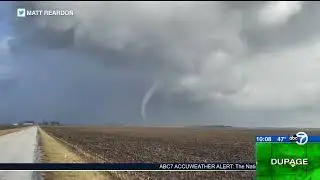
(70,89)
(214,62)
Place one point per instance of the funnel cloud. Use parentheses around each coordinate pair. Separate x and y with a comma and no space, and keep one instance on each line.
(146,99)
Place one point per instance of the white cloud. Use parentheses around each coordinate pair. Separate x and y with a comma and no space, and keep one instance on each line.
(4,45)
(288,78)
(7,67)
(278,12)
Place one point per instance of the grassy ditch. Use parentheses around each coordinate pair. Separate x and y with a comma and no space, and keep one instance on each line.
(55,152)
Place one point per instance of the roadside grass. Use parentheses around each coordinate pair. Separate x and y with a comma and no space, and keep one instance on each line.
(55,152)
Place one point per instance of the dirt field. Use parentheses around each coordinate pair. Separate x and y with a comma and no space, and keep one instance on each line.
(169,145)
(6,129)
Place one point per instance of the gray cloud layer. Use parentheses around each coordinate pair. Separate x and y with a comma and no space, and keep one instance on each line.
(249,64)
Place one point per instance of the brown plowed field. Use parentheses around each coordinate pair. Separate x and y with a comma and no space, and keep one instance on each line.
(7,129)
(169,145)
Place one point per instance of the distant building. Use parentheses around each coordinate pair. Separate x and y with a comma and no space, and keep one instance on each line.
(15,124)
(28,123)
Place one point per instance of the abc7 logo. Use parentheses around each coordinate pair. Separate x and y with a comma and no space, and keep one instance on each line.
(300,138)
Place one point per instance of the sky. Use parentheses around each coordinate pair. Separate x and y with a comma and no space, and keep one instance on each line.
(251,64)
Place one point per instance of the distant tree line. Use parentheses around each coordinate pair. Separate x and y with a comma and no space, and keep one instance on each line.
(50,123)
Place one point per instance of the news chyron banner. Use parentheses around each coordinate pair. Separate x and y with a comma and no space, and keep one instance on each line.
(293,157)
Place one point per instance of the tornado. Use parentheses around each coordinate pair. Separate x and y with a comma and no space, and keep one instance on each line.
(146,99)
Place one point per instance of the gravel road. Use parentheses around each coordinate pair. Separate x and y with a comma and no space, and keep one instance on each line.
(18,147)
